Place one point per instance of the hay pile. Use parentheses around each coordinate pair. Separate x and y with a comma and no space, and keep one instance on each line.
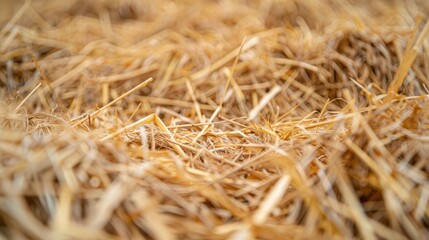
(214,120)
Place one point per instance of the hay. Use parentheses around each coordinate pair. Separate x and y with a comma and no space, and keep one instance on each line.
(214,119)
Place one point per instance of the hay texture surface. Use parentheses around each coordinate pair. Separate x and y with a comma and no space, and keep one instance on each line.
(247,119)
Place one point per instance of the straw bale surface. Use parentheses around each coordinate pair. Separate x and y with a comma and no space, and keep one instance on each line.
(247,119)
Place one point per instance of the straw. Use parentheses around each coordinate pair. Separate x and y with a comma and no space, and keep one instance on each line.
(251,119)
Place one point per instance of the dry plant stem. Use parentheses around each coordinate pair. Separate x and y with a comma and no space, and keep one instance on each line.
(386,179)
(13,20)
(145,120)
(194,99)
(112,197)
(152,118)
(296,63)
(95,113)
(409,57)
(174,102)
(244,46)
(271,200)
(218,64)
(124,76)
(69,75)
(28,96)
(264,101)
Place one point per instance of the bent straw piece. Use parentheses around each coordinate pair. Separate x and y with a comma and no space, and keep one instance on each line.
(152,118)
(163,128)
(143,84)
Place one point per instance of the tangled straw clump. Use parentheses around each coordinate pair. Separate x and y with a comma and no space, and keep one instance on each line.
(214,120)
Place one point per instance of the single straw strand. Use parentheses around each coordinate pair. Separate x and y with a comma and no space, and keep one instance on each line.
(143,84)
(28,96)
